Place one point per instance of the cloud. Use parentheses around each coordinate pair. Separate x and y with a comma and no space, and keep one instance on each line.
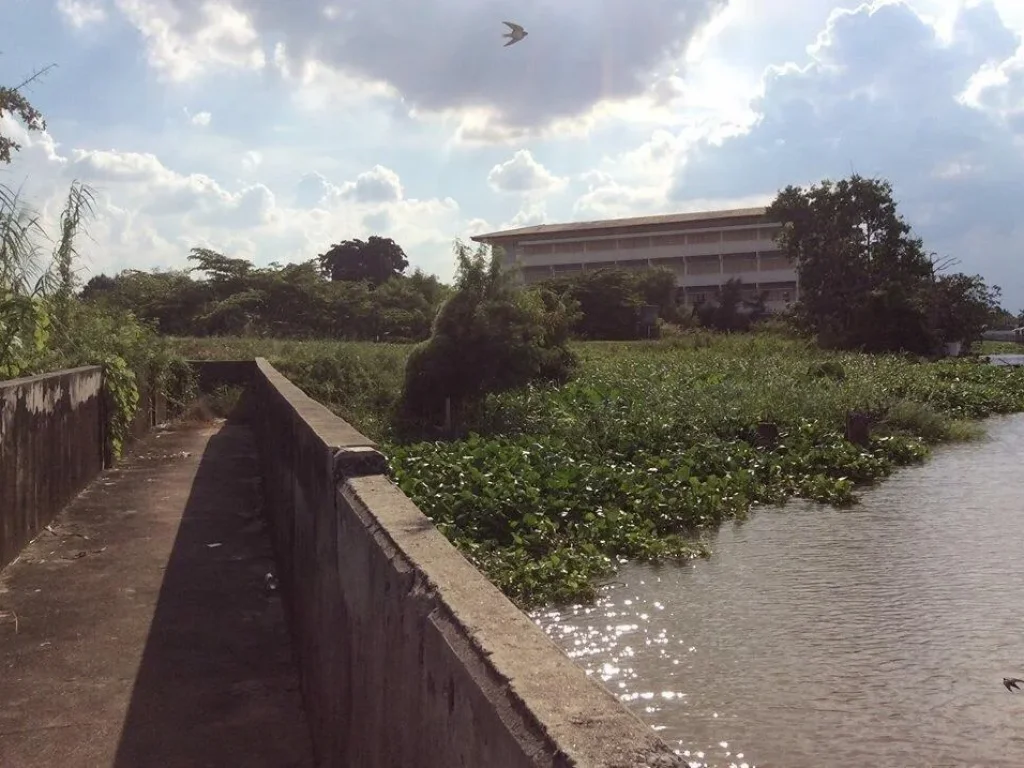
(883,95)
(313,190)
(378,185)
(149,215)
(81,13)
(201,119)
(437,55)
(521,173)
(251,160)
(187,38)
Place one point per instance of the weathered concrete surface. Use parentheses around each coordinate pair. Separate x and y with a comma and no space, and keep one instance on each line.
(126,640)
(408,656)
(51,445)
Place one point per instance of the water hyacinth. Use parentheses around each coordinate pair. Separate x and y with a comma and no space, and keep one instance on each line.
(649,448)
(656,444)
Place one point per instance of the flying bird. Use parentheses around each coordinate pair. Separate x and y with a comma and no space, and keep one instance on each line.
(1011,683)
(517,33)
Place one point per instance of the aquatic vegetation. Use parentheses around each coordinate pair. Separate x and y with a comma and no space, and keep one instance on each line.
(651,445)
(654,445)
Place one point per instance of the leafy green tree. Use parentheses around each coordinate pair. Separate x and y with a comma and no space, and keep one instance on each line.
(220,270)
(14,102)
(294,300)
(404,308)
(98,286)
(375,260)
(490,335)
(730,311)
(657,286)
(964,306)
(864,279)
(169,301)
(609,299)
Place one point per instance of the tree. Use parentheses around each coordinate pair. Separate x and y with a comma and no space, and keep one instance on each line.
(13,101)
(490,335)
(610,299)
(218,267)
(864,279)
(98,286)
(374,260)
(730,311)
(963,307)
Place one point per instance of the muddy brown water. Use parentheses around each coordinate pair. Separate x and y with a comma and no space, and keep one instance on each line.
(877,636)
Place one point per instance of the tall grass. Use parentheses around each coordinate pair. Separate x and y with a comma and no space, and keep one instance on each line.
(43,325)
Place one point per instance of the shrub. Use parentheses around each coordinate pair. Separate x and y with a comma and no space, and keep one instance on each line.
(489,336)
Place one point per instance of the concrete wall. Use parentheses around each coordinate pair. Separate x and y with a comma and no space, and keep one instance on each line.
(408,655)
(52,442)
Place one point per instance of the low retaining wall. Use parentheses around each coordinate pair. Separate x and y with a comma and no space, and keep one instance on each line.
(408,655)
(52,443)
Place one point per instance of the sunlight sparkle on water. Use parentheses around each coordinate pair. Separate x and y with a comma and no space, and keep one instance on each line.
(605,640)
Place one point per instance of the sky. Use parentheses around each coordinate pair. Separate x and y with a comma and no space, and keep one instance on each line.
(270,130)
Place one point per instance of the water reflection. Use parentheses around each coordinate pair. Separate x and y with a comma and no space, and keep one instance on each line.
(815,637)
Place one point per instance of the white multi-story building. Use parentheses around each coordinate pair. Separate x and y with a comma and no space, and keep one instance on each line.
(704,250)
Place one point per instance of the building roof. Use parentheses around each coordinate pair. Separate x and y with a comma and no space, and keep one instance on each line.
(712,217)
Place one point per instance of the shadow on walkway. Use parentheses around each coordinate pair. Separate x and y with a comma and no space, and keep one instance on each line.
(216,685)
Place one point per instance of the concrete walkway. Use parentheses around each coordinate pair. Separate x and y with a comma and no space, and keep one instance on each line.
(139,631)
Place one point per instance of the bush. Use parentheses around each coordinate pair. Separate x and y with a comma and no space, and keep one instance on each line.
(609,300)
(489,336)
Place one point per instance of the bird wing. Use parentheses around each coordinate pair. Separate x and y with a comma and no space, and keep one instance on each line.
(513,27)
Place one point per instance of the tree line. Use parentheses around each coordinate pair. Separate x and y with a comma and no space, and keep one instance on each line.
(357,290)
(866,283)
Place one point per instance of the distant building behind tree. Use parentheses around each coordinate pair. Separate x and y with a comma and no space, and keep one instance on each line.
(705,250)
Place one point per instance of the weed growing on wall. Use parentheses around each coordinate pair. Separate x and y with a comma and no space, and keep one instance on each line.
(44,326)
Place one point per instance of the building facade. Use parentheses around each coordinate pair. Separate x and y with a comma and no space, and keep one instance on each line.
(704,250)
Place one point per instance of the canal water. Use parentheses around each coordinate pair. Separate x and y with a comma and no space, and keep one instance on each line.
(1006,359)
(875,636)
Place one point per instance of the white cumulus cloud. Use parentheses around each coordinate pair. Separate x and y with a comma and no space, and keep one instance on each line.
(522,173)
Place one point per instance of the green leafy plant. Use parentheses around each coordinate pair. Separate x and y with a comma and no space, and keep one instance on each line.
(648,447)
(489,336)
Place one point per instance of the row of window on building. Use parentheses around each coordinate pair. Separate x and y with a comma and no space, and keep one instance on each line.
(651,241)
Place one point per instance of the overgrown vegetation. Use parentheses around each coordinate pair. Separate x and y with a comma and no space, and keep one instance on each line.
(567,458)
(649,446)
(865,281)
(552,481)
(656,442)
(361,382)
(489,336)
(221,295)
(44,326)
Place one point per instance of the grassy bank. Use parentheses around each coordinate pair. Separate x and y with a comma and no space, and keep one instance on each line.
(651,446)
(359,381)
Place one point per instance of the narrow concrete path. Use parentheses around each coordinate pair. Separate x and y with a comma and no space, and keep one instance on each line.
(139,631)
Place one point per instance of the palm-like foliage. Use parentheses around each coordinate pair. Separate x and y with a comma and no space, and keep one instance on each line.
(35,291)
